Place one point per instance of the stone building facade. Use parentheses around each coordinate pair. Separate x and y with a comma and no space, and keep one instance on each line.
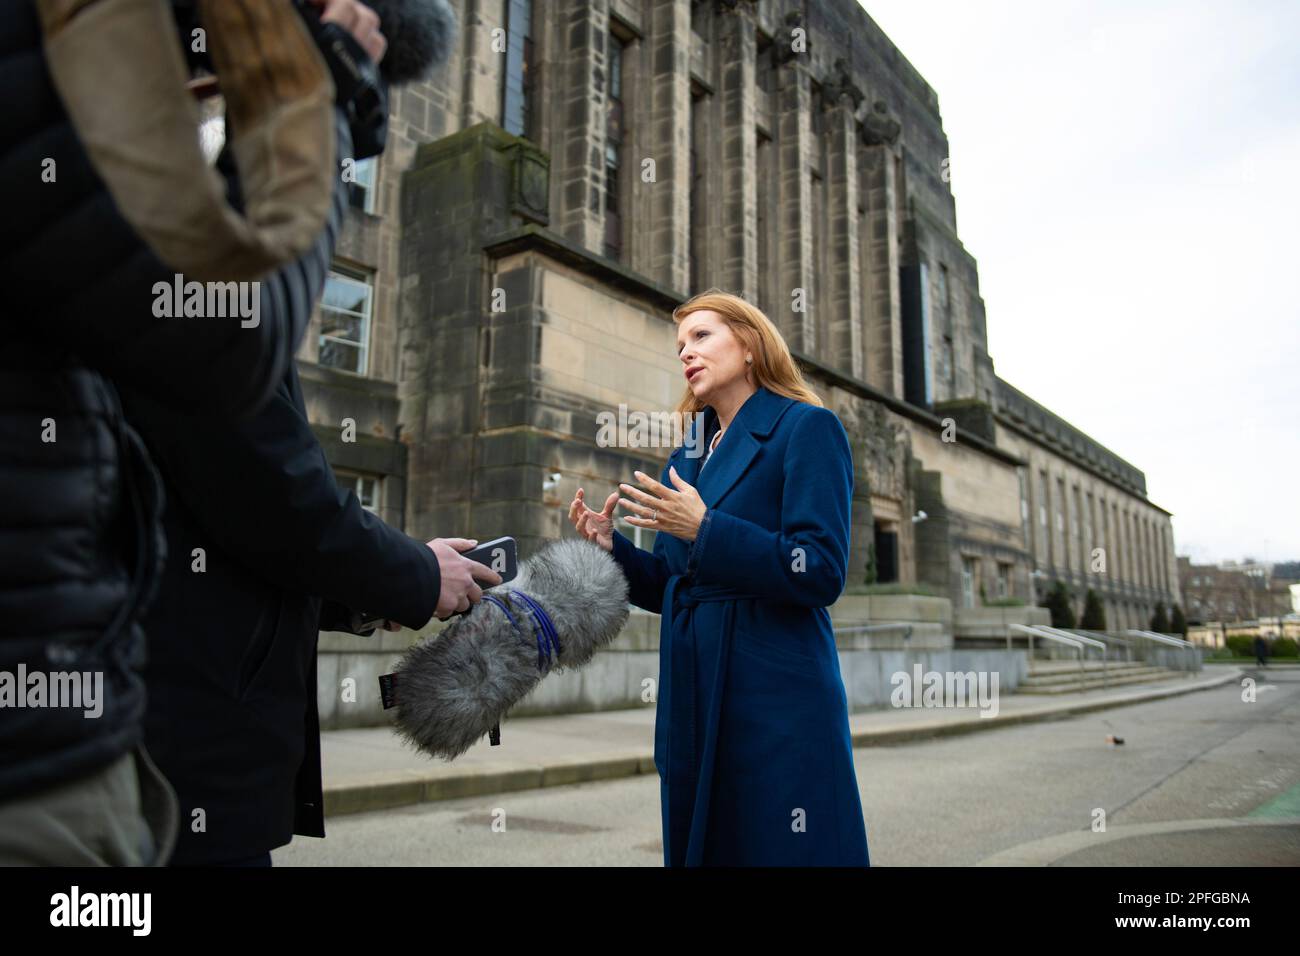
(575,172)
(1231,592)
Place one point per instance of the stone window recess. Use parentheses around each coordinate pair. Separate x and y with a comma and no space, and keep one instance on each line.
(519,81)
(367,488)
(969,587)
(361,191)
(615,135)
(345,320)
(698,187)
(529,182)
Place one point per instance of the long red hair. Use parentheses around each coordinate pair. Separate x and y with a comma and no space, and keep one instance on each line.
(773,366)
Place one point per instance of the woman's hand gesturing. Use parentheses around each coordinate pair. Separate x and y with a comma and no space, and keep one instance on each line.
(679,511)
(595,526)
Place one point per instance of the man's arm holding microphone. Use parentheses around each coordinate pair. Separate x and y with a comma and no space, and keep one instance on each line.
(289,521)
(264,493)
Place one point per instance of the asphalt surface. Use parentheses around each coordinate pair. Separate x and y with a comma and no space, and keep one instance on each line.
(1033,794)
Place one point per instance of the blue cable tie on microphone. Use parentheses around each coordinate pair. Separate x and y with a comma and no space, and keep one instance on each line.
(548,639)
(548,630)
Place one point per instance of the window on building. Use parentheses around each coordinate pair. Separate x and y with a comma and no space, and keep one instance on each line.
(1060,505)
(763,69)
(367,488)
(1077,522)
(615,135)
(1116,553)
(361,189)
(518,85)
(1046,542)
(969,572)
(698,189)
(945,300)
(946,369)
(1004,579)
(700,19)
(763,221)
(345,320)
(1024,508)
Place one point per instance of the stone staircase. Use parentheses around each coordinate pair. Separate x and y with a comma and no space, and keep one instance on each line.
(1065,677)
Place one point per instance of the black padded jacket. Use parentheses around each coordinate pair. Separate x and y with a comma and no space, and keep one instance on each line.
(81,549)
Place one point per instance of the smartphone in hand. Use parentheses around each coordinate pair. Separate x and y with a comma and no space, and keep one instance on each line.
(499,555)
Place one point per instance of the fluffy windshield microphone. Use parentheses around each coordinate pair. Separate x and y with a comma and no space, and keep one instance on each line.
(454,687)
(420,35)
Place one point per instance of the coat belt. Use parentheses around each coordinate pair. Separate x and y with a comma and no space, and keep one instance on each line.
(688,776)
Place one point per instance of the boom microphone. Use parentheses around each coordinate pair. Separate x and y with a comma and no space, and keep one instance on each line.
(568,600)
(420,35)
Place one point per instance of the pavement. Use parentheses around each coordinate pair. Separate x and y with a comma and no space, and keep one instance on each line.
(371,768)
(1236,841)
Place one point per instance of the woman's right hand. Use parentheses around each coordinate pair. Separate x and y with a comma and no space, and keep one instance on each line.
(595,526)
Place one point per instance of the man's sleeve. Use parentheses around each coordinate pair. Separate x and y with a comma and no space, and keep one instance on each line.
(265,495)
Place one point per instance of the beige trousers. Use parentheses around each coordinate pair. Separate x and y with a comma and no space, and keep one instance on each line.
(123,815)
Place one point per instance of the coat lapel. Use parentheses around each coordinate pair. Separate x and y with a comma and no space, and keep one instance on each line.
(736,450)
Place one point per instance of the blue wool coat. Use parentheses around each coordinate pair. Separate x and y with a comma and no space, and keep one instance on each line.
(752,737)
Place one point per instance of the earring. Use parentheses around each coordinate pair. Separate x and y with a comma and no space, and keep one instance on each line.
(749,360)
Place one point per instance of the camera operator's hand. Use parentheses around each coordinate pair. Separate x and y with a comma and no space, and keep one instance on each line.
(460,576)
(359,20)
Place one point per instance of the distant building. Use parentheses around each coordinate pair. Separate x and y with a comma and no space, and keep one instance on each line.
(1231,592)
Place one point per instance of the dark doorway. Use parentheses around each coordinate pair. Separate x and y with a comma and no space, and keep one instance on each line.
(886,555)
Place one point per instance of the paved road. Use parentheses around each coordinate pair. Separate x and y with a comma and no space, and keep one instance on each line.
(951,801)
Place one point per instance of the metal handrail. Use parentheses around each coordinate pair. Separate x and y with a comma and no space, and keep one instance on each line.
(1089,641)
(1078,643)
(1106,638)
(1033,631)
(905,627)
(1164,638)
(1177,642)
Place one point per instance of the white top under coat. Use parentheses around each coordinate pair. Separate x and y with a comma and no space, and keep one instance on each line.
(712,445)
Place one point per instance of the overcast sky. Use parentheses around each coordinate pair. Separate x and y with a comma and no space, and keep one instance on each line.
(1125,176)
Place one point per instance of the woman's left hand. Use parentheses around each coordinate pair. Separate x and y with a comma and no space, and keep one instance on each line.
(680,511)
